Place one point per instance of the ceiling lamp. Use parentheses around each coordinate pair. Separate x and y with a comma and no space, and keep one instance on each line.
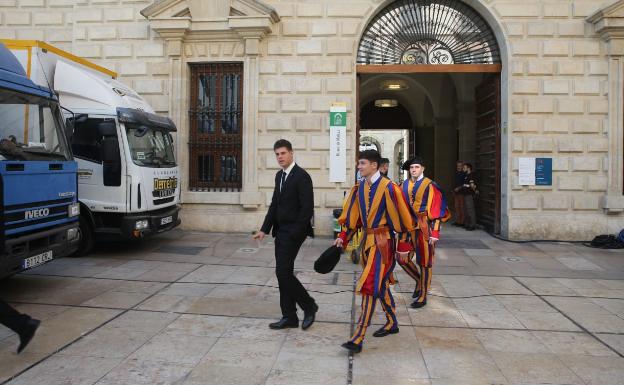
(393,85)
(386,103)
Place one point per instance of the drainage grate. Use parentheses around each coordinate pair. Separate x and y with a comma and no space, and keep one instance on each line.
(248,250)
(513,259)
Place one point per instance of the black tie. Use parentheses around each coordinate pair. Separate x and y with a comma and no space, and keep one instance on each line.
(283,180)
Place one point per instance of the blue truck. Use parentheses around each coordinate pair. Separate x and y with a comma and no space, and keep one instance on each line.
(38,176)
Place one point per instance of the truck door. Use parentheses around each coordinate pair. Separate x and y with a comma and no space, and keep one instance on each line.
(101,179)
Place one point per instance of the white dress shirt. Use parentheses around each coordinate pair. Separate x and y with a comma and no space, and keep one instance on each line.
(286,171)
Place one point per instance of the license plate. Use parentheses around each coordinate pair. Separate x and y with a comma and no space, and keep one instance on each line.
(37,260)
(166,220)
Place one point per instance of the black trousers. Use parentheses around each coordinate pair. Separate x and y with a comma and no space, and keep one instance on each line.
(12,319)
(291,290)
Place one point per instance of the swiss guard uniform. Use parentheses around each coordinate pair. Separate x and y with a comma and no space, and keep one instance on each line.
(430,208)
(383,213)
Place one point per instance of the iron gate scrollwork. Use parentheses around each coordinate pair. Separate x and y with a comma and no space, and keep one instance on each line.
(428,32)
(216,116)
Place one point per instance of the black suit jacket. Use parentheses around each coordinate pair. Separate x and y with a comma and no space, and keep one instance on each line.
(293,207)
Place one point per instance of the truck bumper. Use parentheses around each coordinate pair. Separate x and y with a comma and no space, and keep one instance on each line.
(158,221)
(55,240)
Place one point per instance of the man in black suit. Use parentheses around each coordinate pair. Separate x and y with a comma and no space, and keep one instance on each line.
(289,218)
(22,324)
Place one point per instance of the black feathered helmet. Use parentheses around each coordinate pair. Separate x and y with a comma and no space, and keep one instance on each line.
(414,160)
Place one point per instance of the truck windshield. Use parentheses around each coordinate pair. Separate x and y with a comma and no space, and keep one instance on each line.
(150,146)
(30,128)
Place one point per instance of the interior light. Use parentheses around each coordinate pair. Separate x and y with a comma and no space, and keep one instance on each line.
(393,85)
(386,103)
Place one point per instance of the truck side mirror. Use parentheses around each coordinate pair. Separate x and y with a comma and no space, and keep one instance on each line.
(107,128)
(111,161)
(70,123)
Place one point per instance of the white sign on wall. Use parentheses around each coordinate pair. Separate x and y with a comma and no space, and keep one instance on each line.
(338,142)
(526,171)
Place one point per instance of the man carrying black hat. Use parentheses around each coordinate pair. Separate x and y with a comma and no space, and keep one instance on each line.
(288,218)
(378,206)
(429,205)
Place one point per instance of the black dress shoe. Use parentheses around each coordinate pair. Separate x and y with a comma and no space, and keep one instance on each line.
(355,348)
(285,323)
(384,332)
(308,317)
(416,293)
(28,334)
(418,305)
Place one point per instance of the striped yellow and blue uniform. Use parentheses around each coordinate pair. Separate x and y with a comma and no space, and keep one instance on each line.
(430,210)
(381,210)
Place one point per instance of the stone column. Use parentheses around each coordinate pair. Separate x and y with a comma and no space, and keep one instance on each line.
(251,198)
(608,23)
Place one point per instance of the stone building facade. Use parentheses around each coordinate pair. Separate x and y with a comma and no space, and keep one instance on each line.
(561,94)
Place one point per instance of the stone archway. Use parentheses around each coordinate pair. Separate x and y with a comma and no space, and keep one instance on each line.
(445,37)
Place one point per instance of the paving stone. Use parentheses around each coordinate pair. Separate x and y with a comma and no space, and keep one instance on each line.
(177,249)
(514,341)
(454,365)
(63,370)
(175,348)
(573,343)
(615,341)
(140,372)
(108,342)
(545,321)
(535,368)
(596,370)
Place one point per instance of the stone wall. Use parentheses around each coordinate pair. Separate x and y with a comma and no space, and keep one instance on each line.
(555,99)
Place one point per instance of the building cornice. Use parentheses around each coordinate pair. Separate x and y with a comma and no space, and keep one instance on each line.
(609,21)
(247,19)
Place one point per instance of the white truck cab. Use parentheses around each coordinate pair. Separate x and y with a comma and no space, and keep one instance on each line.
(127,173)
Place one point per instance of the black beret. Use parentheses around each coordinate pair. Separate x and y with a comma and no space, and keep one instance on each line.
(328,260)
(414,160)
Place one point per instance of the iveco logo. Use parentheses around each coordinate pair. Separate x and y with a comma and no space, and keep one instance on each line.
(40,213)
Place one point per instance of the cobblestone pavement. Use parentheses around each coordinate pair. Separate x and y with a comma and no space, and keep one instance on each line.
(193,308)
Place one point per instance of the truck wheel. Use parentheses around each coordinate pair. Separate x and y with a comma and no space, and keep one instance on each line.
(87,238)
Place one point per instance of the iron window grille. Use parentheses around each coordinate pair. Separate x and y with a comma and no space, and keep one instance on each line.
(216,126)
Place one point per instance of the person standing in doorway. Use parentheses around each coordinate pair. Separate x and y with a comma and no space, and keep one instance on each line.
(24,325)
(469,192)
(458,198)
(378,206)
(289,218)
(429,205)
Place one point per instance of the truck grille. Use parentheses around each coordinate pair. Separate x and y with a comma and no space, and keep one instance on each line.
(30,214)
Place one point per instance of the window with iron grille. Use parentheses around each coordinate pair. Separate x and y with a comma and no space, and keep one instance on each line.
(216,129)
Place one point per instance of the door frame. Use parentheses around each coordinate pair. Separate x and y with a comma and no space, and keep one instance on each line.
(362,69)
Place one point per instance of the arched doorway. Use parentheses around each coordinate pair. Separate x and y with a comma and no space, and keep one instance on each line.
(442,59)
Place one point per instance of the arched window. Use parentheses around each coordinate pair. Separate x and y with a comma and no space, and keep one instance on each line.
(428,32)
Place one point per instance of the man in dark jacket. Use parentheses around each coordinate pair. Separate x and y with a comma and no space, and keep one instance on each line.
(22,324)
(289,219)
